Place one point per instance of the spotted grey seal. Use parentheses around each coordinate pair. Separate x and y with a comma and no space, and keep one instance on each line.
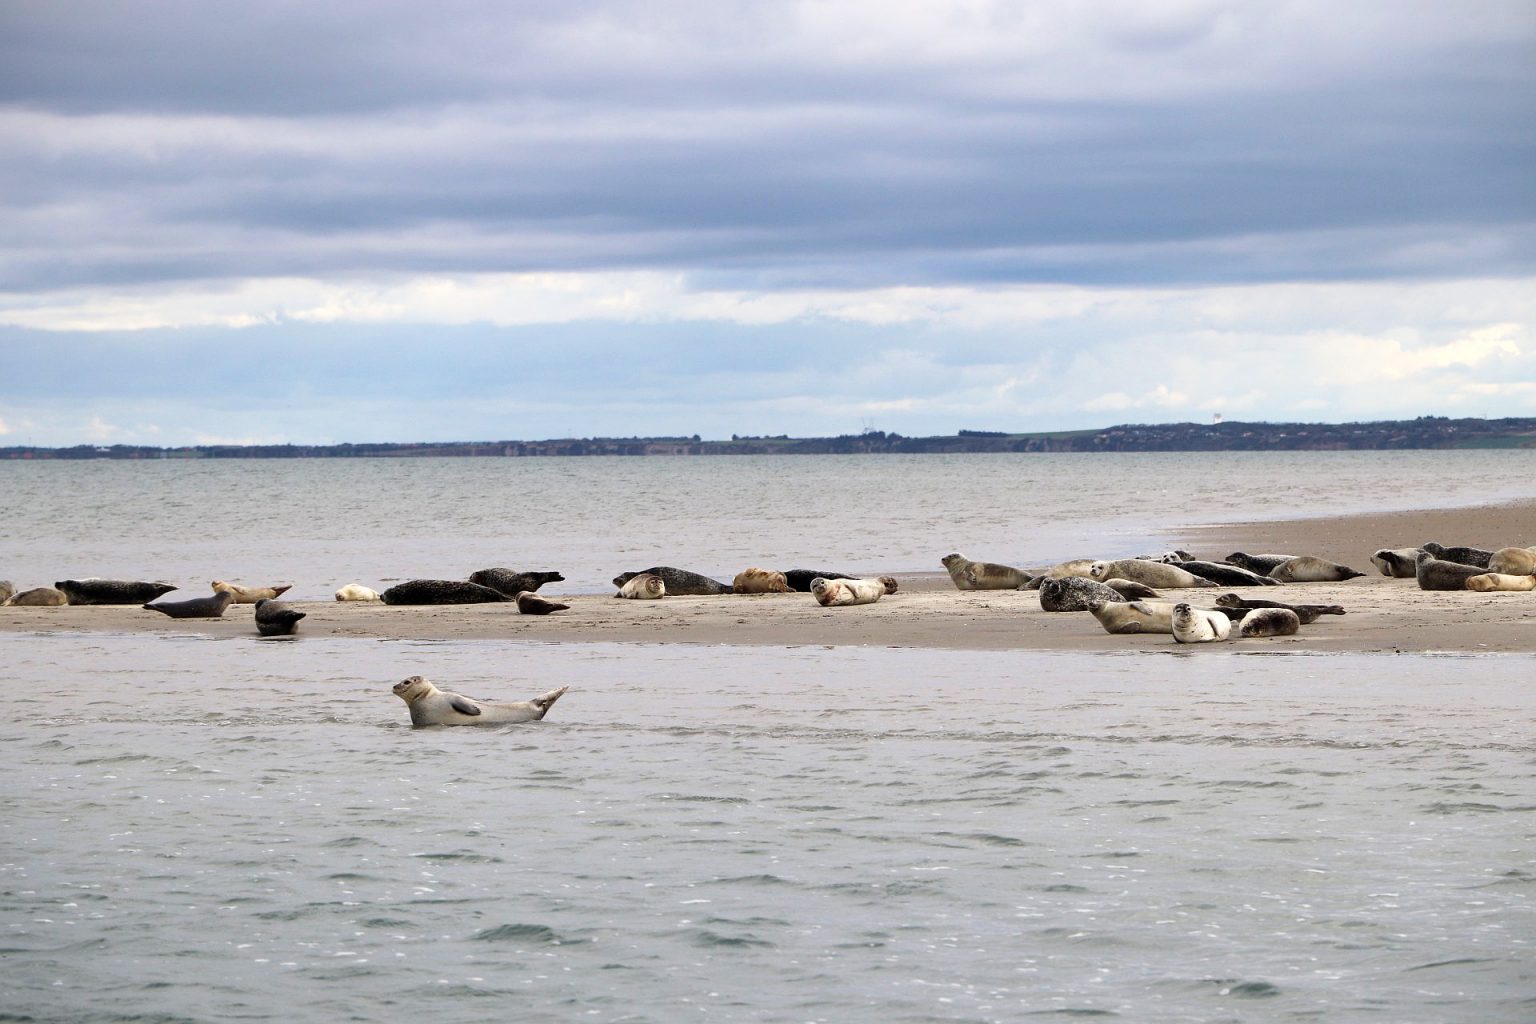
(431,706)
(95,591)
(1193,625)
(250,595)
(646,586)
(211,607)
(1153,574)
(274,618)
(680,582)
(1260,564)
(1439,574)
(1465,555)
(1398,563)
(1490,582)
(1236,607)
(1311,569)
(1268,622)
(1072,593)
(357,592)
(511,582)
(1133,616)
(1223,574)
(39,597)
(969,575)
(800,580)
(832,593)
(440,592)
(1513,561)
(530,603)
(761,581)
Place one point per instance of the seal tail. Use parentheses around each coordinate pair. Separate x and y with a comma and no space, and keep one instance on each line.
(547,701)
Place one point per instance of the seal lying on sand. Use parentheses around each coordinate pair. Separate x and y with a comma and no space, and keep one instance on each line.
(274,618)
(1398,563)
(644,587)
(1237,607)
(441,592)
(800,580)
(111,591)
(1513,561)
(1153,574)
(830,593)
(1438,574)
(761,581)
(1260,564)
(969,575)
(1072,593)
(1465,555)
(512,583)
(1490,582)
(39,597)
(680,582)
(357,592)
(7,591)
(1311,569)
(1072,567)
(530,603)
(1269,622)
(431,706)
(1222,574)
(250,595)
(1133,616)
(1130,589)
(198,608)
(1193,625)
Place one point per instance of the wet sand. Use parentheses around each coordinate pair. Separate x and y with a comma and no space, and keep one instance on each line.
(1382,615)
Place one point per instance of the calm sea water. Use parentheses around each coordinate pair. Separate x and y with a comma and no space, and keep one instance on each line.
(206,830)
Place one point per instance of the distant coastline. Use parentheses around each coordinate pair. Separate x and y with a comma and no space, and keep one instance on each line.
(1421,433)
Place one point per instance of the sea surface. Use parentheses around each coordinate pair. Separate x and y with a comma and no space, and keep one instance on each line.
(197,830)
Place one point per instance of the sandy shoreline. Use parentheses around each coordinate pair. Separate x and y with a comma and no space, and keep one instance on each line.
(1383,615)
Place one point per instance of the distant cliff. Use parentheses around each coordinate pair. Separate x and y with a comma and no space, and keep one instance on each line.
(1424,432)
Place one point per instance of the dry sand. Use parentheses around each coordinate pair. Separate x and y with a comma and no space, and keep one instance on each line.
(1389,615)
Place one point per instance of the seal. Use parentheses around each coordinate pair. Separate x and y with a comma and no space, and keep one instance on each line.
(530,603)
(800,580)
(1133,616)
(1193,625)
(1439,574)
(1130,589)
(1260,564)
(357,592)
(431,706)
(94,591)
(1513,561)
(1311,569)
(1398,563)
(197,608)
(511,583)
(1153,574)
(761,581)
(7,591)
(440,592)
(833,593)
(1071,567)
(969,575)
(644,587)
(1222,574)
(1072,593)
(1236,607)
(250,595)
(39,597)
(274,618)
(1489,582)
(1269,622)
(680,582)
(1465,555)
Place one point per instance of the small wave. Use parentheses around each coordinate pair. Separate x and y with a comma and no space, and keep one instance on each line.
(537,934)
(459,856)
(714,940)
(1450,963)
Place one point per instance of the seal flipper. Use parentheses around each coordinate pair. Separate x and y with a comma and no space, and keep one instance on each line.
(547,701)
(463,705)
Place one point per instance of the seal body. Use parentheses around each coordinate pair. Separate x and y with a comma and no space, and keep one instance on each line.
(761,581)
(800,580)
(1236,607)
(679,582)
(273,618)
(440,592)
(7,591)
(1268,622)
(511,583)
(250,595)
(211,607)
(1130,589)
(1311,569)
(431,706)
(1153,574)
(1260,564)
(644,587)
(111,591)
(1465,555)
(1224,575)
(39,597)
(1071,567)
(1398,563)
(969,575)
(834,593)
(1439,574)
(1133,616)
(1072,593)
(1513,561)
(357,592)
(1193,625)
(530,603)
(1489,582)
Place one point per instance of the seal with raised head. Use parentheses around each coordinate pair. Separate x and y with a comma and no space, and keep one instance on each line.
(1236,607)
(357,592)
(1311,569)
(1193,625)
(431,706)
(1133,616)
(1153,574)
(39,597)
(1491,582)
(1439,574)
(969,575)
(441,592)
(800,580)
(94,591)
(1224,575)
(644,587)
(761,581)
(512,582)
(530,603)
(1463,554)
(1398,563)
(834,593)
(1513,561)
(1269,622)
(1260,564)
(211,607)
(680,582)
(274,618)
(1072,593)
(250,595)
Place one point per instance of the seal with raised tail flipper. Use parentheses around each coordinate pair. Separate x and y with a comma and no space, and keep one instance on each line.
(274,618)
(211,607)
(431,706)
(511,582)
(250,595)
(679,582)
(94,591)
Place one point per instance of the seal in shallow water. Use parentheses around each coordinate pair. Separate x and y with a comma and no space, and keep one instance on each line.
(969,575)
(211,607)
(1193,625)
(111,591)
(274,618)
(431,706)
(644,587)
(680,582)
(511,582)
(1311,569)
(250,595)
(39,597)
(1133,616)
(1438,574)
(440,592)
(1268,622)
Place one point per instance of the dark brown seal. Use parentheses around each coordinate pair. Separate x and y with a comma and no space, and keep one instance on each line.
(211,607)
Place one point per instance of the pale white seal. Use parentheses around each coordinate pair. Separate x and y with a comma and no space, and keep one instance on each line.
(356,592)
(644,587)
(431,706)
(250,595)
(1153,574)
(1193,625)
(969,575)
(829,593)
(1133,616)
(1489,582)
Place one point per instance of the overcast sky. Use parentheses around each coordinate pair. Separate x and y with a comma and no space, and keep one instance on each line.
(375,221)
